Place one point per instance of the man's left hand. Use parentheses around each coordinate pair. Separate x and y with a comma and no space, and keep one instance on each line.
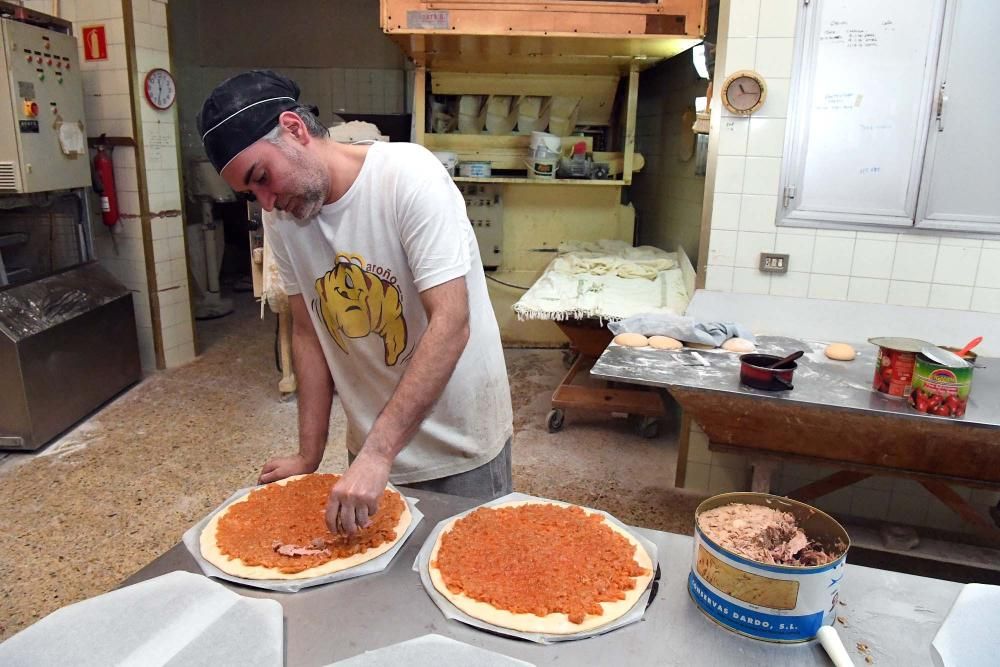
(355,498)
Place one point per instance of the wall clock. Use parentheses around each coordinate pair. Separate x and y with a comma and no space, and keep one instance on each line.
(160,89)
(744,92)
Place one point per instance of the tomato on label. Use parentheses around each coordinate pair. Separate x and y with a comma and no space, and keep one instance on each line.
(942,410)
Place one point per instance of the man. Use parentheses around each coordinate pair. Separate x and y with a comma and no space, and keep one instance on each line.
(388,298)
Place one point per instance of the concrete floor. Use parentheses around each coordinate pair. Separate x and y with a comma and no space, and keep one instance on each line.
(94,506)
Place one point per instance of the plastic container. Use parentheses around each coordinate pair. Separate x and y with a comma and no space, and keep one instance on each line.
(448,159)
(543,167)
(775,603)
(551,142)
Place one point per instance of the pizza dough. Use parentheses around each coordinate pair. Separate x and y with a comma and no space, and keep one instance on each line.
(210,550)
(840,352)
(739,345)
(553,623)
(699,346)
(631,340)
(665,343)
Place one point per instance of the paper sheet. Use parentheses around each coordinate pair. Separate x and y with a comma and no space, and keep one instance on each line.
(71,138)
(431,651)
(968,636)
(192,539)
(421,565)
(178,619)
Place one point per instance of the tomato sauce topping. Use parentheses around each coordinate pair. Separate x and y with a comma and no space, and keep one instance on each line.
(538,559)
(284,527)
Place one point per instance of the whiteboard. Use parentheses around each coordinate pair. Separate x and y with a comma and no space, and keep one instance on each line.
(863,96)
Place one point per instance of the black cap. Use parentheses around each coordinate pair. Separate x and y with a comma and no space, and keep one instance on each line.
(242,110)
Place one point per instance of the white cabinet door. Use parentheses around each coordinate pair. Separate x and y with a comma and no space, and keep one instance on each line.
(864,84)
(960,188)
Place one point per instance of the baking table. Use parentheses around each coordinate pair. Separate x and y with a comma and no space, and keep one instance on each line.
(895,615)
(832,417)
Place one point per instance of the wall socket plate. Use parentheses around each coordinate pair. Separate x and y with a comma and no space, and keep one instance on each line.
(772,262)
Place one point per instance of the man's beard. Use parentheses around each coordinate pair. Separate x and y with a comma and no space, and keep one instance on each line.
(310,184)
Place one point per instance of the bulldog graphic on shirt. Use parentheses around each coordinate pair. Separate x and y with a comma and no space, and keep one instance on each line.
(354,302)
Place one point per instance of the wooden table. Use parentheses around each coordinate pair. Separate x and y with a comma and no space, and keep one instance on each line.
(832,418)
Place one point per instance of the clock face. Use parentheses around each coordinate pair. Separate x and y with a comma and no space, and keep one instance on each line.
(743,93)
(160,89)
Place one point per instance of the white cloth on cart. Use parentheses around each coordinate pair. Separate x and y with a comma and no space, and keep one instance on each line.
(607,280)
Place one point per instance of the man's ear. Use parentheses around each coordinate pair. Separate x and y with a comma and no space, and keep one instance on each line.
(294,126)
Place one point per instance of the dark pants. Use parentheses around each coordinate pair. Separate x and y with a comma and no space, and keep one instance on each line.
(488,481)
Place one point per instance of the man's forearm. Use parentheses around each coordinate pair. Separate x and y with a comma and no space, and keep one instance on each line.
(315,396)
(430,369)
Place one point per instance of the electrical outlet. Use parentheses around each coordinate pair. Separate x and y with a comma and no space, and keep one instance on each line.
(772,262)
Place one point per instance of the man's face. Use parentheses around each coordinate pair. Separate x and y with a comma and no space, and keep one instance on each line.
(283,176)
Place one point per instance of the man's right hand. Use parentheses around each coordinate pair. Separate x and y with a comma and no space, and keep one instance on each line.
(281,467)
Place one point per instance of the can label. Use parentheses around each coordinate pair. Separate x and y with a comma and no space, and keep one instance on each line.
(894,372)
(940,390)
(770,602)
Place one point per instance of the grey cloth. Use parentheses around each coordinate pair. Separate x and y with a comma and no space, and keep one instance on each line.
(487,482)
(680,327)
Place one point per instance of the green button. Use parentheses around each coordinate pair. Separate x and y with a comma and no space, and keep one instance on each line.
(60,80)
(41,77)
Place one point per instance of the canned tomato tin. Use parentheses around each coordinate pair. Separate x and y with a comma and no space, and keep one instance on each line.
(940,390)
(894,364)
(777,603)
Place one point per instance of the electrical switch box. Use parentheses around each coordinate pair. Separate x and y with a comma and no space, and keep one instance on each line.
(43,140)
(484,206)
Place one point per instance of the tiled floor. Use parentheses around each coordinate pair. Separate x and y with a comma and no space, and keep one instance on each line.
(96,505)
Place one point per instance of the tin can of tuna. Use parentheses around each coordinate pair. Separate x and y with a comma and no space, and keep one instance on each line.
(776,603)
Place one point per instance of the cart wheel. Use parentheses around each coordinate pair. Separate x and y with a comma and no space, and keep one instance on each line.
(649,427)
(568,357)
(555,420)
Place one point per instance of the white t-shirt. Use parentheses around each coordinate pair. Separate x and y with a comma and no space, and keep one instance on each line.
(360,265)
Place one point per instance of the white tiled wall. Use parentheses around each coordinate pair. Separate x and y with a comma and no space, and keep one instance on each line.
(108,109)
(873,267)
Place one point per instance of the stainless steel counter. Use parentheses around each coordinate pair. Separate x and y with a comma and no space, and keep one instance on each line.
(895,615)
(818,380)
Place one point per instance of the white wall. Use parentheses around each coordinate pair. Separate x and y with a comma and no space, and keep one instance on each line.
(901,269)
(875,267)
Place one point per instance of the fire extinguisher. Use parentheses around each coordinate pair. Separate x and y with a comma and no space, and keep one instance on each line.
(104,185)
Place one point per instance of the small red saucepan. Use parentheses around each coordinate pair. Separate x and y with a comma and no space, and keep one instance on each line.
(759,371)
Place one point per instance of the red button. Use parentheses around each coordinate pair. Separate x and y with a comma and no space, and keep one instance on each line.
(30,59)
(50,61)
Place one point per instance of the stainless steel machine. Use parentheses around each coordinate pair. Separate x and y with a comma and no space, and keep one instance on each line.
(68,339)
(68,343)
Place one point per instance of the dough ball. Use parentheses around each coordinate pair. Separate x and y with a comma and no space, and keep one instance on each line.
(699,346)
(665,343)
(632,340)
(739,345)
(840,351)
